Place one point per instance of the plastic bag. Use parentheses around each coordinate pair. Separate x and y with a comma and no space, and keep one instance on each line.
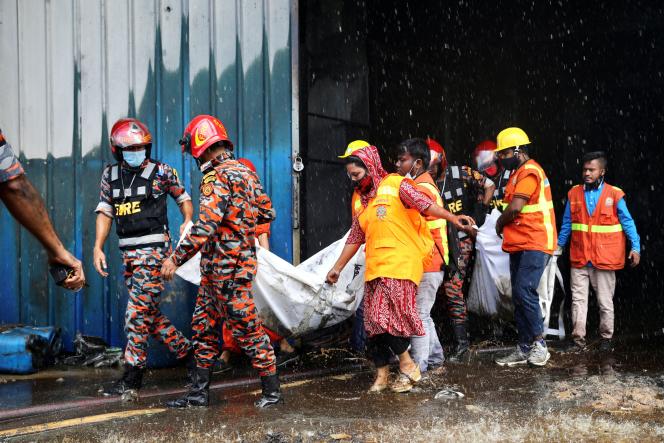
(490,293)
(295,300)
(93,351)
(490,289)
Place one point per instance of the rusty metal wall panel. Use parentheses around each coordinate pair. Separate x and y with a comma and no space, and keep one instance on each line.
(72,67)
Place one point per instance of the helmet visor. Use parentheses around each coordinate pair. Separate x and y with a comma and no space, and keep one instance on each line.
(484,160)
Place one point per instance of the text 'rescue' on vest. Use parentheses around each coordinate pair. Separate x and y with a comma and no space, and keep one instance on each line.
(597,238)
(398,242)
(534,228)
(140,217)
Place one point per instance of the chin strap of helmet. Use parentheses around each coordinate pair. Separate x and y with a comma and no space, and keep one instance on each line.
(185,142)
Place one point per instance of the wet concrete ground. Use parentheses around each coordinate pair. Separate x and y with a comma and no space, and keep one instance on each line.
(588,396)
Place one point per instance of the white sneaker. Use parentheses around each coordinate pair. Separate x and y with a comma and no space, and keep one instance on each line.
(539,354)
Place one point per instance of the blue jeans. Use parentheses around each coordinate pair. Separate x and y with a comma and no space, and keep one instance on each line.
(526,269)
(358,339)
(427,350)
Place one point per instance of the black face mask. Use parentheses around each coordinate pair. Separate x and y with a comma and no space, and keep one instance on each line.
(510,163)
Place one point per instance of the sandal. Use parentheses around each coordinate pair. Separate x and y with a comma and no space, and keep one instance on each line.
(414,376)
(401,384)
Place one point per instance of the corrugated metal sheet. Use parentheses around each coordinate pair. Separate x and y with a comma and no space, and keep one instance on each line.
(70,68)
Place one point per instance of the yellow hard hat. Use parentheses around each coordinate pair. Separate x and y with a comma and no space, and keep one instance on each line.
(354,146)
(511,137)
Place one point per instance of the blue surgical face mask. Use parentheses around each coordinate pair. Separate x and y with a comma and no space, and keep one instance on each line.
(134,158)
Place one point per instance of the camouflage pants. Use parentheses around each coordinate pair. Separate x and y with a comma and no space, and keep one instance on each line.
(143,317)
(453,285)
(230,301)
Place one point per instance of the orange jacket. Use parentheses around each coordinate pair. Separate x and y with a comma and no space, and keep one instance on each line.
(356,204)
(597,238)
(398,242)
(263,228)
(534,228)
(437,226)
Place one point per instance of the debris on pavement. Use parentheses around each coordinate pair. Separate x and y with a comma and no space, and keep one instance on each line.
(94,352)
(449,394)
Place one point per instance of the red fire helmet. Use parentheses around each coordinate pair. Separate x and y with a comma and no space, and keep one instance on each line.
(485,157)
(202,132)
(437,153)
(129,132)
(486,145)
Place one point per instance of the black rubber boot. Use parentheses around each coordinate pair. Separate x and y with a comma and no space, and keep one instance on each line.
(460,353)
(271,393)
(190,364)
(199,392)
(132,380)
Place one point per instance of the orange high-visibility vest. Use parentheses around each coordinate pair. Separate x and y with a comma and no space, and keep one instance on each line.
(534,229)
(356,204)
(597,238)
(437,226)
(398,242)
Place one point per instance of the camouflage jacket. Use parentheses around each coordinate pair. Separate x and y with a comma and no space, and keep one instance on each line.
(232,204)
(10,168)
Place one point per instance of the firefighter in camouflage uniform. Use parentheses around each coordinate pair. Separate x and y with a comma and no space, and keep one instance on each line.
(232,204)
(134,192)
(464,191)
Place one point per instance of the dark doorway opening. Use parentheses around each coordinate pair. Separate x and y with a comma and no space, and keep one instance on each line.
(576,76)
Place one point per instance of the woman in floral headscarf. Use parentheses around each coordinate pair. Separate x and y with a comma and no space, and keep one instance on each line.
(397,245)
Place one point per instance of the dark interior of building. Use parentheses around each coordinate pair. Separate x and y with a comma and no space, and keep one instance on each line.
(576,76)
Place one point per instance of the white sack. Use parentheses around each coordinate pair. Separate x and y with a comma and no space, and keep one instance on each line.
(490,293)
(295,299)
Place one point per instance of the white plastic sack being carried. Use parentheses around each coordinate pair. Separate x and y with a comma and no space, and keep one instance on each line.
(490,293)
(295,299)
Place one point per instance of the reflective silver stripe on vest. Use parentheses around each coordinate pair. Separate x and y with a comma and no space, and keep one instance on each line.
(148,170)
(140,190)
(114,173)
(116,193)
(455,172)
(495,193)
(459,192)
(127,192)
(507,174)
(144,240)
(448,195)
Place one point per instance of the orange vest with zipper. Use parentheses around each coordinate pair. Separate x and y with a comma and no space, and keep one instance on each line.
(437,226)
(597,238)
(534,228)
(398,241)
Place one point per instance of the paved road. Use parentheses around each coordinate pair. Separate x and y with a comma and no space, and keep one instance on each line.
(577,397)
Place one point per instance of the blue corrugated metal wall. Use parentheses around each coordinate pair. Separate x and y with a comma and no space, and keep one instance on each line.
(70,68)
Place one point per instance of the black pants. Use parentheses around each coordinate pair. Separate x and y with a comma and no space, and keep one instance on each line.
(381,348)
